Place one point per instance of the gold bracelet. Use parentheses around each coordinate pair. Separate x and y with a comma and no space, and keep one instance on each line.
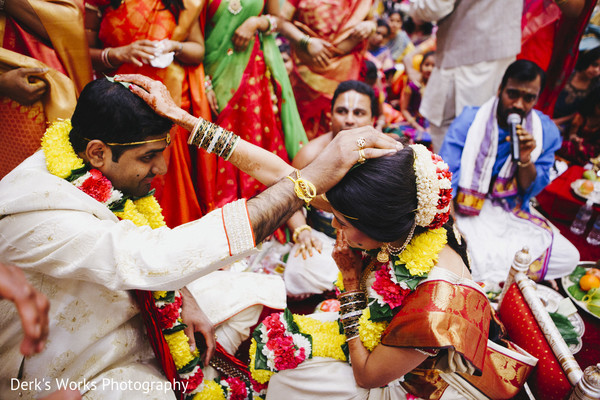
(228,147)
(105,60)
(520,164)
(298,230)
(304,189)
(225,140)
(194,132)
(354,295)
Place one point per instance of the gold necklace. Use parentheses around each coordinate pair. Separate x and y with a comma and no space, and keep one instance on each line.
(384,254)
(363,278)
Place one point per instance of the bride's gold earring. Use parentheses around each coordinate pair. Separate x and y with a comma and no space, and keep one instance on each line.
(383,256)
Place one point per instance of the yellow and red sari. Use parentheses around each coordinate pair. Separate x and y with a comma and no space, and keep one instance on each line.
(133,20)
(67,58)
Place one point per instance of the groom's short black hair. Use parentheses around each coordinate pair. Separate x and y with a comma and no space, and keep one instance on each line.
(109,112)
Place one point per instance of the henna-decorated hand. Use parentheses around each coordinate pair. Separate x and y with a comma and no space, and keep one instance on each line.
(348,261)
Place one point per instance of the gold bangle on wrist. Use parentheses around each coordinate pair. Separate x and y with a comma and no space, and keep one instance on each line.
(230,148)
(298,230)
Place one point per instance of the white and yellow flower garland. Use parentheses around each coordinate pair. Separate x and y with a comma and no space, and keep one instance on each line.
(62,161)
(328,339)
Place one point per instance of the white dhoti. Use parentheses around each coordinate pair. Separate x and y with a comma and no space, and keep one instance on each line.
(233,301)
(495,235)
(314,274)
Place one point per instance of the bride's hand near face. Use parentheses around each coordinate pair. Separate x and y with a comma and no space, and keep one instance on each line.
(349,262)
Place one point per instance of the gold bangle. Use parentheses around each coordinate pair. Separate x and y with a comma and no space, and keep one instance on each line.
(520,164)
(221,142)
(193,134)
(225,140)
(355,295)
(104,57)
(298,230)
(198,132)
(304,189)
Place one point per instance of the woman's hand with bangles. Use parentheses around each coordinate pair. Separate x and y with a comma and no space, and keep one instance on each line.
(242,35)
(157,96)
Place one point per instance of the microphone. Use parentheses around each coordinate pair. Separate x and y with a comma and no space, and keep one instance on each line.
(513,120)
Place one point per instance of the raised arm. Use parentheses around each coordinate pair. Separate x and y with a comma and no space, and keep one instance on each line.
(275,205)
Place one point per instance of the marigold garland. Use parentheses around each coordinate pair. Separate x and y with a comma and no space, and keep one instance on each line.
(62,161)
(370,332)
(212,391)
(60,156)
(327,340)
(422,253)
(259,375)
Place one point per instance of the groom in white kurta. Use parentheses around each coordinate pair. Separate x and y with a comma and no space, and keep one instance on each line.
(77,252)
(84,259)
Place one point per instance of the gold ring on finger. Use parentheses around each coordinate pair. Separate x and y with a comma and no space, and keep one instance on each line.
(361,156)
(361,142)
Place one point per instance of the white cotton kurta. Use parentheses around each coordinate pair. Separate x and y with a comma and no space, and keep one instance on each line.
(84,259)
